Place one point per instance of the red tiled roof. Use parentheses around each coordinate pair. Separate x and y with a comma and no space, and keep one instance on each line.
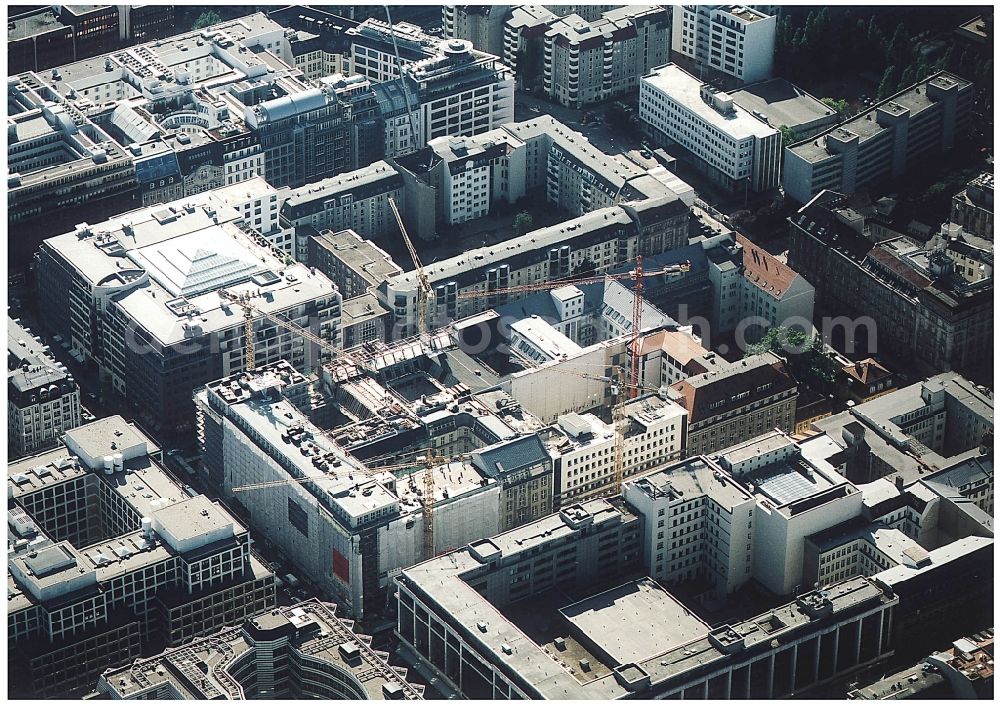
(764,269)
(867,371)
(735,379)
(677,344)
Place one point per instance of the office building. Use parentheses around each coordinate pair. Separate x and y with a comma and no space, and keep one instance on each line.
(140,297)
(348,526)
(932,304)
(318,132)
(972,208)
(583,452)
(318,41)
(623,212)
(620,637)
(780,103)
(37,40)
(730,403)
(797,495)
(945,596)
(734,41)
(372,47)
(364,320)
(294,652)
(56,157)
(734,148)
(298,651)
(482,25)
(460,91)
(883,142)
(95,27)
(354,264)
(43,399)
(357,200)
(695,517)
(585,62)
(109,558)
(927,426)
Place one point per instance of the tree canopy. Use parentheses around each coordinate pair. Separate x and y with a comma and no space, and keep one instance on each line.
(206,19)
(806,357)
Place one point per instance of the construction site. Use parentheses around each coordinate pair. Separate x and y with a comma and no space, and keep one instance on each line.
(391,454)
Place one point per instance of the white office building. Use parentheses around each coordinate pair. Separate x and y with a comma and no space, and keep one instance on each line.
(582,446)
(697,525)
(730,39)
(731,146)
(796,497)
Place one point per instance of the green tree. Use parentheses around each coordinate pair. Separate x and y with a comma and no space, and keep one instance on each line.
(807,359)
(899,50)
(888,85)
(908,78)
(947,62)
(206,19)
(523,222)
(788,136)
(838,106)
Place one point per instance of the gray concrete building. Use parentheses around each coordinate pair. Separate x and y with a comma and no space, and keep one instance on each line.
(476,617)
(110,558)
(293,652)
(139,296)
(883,142)
(43,399)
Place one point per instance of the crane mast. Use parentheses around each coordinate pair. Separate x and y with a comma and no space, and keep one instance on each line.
(423,284)
(636,329)
(553,284)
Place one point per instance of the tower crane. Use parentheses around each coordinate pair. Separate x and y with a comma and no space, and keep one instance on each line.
(619,384)
(252,312)
(556,283)
(423,284)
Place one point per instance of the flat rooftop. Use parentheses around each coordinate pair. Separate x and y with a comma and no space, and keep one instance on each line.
(189,251)
(685,89)
(694,478)
(36,366)
(865,126)
(783,103)
(634,621)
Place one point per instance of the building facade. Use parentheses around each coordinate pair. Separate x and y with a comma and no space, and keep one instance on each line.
(932,303)
(481,652)
(43,399)
(139,296)
(734,148)
(732,40)
(697,524)
(110,558)
(734,402)
(589,62)
(884,142)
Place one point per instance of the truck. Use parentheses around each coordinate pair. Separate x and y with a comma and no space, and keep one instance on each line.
(291,581)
